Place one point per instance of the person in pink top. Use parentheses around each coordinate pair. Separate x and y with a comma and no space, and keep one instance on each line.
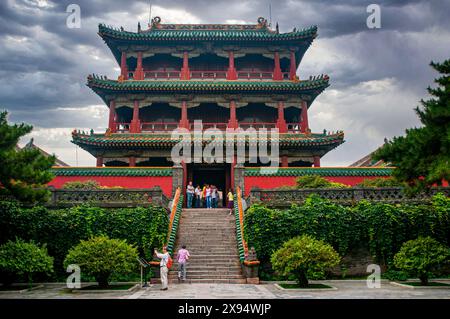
(182,258)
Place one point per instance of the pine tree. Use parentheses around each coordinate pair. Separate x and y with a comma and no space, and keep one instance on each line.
(23,172)
(421,157)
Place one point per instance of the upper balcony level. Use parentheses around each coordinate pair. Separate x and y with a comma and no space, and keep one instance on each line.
(208,51)
(208,66)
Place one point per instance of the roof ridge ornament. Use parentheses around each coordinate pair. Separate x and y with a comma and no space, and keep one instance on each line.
(262,23)
(156,23)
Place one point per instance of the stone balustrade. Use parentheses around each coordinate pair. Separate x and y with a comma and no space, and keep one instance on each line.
(108,197)
(346,196)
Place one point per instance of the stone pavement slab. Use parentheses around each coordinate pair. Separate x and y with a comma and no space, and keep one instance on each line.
(347,289)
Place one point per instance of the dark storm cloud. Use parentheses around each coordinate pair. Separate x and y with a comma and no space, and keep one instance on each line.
(44,64)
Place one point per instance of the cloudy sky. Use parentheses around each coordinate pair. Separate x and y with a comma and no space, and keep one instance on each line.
(377,75)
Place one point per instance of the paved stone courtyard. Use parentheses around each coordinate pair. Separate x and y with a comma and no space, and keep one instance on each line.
(346,289)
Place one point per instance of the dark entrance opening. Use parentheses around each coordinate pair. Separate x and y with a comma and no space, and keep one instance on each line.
(212,174)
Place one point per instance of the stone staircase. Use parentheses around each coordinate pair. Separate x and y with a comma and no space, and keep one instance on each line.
(210,237)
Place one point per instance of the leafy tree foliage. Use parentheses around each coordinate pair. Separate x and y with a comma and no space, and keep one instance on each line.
(305,257)
(315,181)
(23,173)
(82,185)
(380,182)
(421,157)
(19,258)
(422,257)
(102,257)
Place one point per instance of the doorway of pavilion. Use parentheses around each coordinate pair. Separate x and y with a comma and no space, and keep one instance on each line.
(212,174)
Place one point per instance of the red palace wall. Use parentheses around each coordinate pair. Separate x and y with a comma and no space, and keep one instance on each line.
(267,182)
(165,182)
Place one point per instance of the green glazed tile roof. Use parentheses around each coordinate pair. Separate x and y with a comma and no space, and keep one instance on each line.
(157,35)
(102,84)
(152,140)
(322,171)
(112,171)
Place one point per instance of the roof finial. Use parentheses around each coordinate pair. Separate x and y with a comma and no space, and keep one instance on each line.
(139,27)
(30,143)
(277,28)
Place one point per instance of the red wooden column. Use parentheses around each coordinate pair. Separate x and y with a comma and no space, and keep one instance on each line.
(99,161)
(135,126)
(183,189)
(304,126)
(232,123)
(293,67)
(123,66)
(132,161)
(184,121)
(277,75)
(233,165)
(112,116)
(316,161)
(281,122)
(139,72)
(231,73)
(185,73)
(284,161)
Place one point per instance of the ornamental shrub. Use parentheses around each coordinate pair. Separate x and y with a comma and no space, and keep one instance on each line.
(380,182)
(62,229)
(19,258)
(305,257)
(82,185)
(102,257)
(422,257)
(315,181)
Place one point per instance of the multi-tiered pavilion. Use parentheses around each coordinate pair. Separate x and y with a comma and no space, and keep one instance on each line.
(226,75)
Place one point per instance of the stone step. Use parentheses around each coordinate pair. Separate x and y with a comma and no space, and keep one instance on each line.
(210,276)
(207,222)
(225,242)
(215,263)
(196,247)
(223,263)
(207,218)
(216,251)
(211,281)
(212,226)
(211,232)
(214,259)
(193,267)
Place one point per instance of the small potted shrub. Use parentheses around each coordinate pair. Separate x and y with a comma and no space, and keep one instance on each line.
(102,257)
(422,257)
(20,258)
(304,257)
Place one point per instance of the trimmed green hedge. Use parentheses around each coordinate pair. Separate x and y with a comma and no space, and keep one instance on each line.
(381,228)
(62,229)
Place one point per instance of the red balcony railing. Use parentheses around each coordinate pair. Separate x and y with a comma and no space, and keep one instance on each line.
(158,126)
(155,127)
(208,75)
(206,125)
(257,125)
